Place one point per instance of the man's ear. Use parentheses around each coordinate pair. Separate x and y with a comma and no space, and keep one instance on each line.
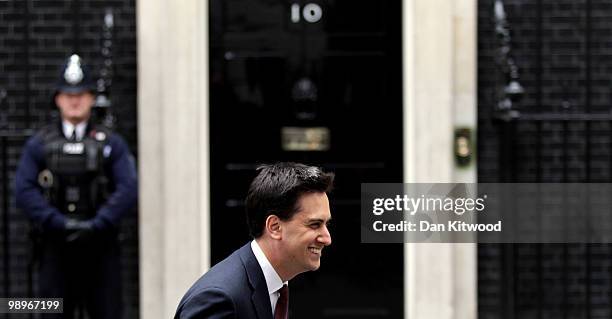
(273,226)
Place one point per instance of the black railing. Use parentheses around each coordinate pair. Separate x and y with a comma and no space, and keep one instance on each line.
(522,158)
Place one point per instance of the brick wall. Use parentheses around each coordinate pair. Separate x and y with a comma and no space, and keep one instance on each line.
(563,49)
(36,37)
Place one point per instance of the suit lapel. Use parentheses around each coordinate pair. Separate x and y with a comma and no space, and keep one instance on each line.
(257,281)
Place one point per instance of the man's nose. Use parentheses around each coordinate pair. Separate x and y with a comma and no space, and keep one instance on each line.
(325,237)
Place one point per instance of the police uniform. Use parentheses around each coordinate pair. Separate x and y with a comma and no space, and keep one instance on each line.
(75,190)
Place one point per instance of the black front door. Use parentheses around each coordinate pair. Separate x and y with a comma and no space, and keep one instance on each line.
(316,82)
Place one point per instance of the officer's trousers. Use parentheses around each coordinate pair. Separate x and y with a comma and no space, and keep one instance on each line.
(85,274)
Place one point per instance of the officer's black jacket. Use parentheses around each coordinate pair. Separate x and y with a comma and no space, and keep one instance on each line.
(30,198)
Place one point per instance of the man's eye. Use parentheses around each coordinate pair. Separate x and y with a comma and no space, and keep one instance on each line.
(315,226)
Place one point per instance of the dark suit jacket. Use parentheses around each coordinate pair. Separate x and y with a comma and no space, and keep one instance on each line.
(234,288)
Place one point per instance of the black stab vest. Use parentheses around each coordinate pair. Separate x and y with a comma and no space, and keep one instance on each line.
(74,179)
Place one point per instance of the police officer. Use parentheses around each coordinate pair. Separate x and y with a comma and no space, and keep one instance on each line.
(75,181)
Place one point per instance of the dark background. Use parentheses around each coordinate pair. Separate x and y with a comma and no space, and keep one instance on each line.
(35,39)
(563,133)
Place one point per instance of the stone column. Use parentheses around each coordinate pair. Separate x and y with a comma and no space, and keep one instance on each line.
(439,95)
(173,150)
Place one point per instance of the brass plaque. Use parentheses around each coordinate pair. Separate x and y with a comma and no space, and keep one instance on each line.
(305,138)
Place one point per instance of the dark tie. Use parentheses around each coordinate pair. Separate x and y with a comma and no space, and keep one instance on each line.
(73,136)
(282,305)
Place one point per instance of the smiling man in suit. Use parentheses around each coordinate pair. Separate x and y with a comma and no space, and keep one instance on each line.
(288,214)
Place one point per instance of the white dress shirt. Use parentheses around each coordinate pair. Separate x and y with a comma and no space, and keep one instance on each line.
(68,128)
(273,280)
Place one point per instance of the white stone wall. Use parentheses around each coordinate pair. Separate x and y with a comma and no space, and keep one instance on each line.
(439,96)
(173,151)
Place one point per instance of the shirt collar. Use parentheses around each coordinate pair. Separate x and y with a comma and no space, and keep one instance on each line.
(68,127)
(273,280)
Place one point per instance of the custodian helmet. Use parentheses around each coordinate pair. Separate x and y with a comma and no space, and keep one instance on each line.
(75,77)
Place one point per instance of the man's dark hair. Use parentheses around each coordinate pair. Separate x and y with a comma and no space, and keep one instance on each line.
(277,188)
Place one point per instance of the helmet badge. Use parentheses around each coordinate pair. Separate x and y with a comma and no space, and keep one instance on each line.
(73,73)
